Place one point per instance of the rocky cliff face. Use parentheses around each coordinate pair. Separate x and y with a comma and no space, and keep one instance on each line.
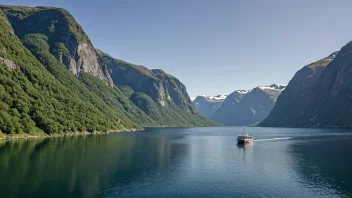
(9,63)
(160,95)
(161,87)
(247,107)
(39,95)
(174,90)
(318,95)
(35,102)
(65,38)
(138,78)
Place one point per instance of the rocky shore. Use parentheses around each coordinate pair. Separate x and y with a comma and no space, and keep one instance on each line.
(24,136)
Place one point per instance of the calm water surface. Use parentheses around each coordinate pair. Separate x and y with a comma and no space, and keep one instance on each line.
(175,162)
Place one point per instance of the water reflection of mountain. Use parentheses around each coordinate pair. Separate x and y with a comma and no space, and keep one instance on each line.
(325,166)
(80,166)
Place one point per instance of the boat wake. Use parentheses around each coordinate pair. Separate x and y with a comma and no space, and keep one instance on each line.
(271,139)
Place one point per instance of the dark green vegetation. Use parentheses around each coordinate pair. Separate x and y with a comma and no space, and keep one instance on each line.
(33,100)
(75,163)
(52,81)
(319,95)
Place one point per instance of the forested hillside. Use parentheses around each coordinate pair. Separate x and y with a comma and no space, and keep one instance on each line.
(53,80)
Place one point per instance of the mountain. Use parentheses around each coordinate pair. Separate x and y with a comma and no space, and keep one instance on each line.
(207,105)
(319,95)
(64,37)
(54,81)
(247,107)
(160,95)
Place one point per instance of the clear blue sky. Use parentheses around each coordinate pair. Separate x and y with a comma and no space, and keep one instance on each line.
(214,47)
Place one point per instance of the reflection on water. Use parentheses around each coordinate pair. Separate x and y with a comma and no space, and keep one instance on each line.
(78,166)
(245,149)
(247,146)
(181,162)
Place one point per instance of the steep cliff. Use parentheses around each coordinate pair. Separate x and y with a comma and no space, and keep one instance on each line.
(53,81)
(318,95)
(160,95)
(64,37)
(33,101)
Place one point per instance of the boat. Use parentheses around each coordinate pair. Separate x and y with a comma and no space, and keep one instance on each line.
(245,137)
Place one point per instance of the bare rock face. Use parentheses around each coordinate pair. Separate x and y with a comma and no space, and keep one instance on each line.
(82,57)
(160,86)
(86,60)
(138,78)
(160,95)
(72,65)
(64,37)
(174,90)
(9,63)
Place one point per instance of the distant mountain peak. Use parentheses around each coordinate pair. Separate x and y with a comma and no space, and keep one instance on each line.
(218,97)
(279,87)
(242,91)
(212,98)
(207,105)
(241,107)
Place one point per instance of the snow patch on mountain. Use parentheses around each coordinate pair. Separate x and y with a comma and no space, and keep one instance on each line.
(217,97)
(279,87)
(242,91)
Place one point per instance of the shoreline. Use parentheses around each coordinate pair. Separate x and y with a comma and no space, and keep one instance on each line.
(69,134)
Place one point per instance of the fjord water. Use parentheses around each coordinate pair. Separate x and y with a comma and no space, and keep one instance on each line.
(175,162)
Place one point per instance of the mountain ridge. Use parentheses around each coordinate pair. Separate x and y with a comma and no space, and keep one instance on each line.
(317,94)
(241,107)
(71,45)
(58,59)
(166,91)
